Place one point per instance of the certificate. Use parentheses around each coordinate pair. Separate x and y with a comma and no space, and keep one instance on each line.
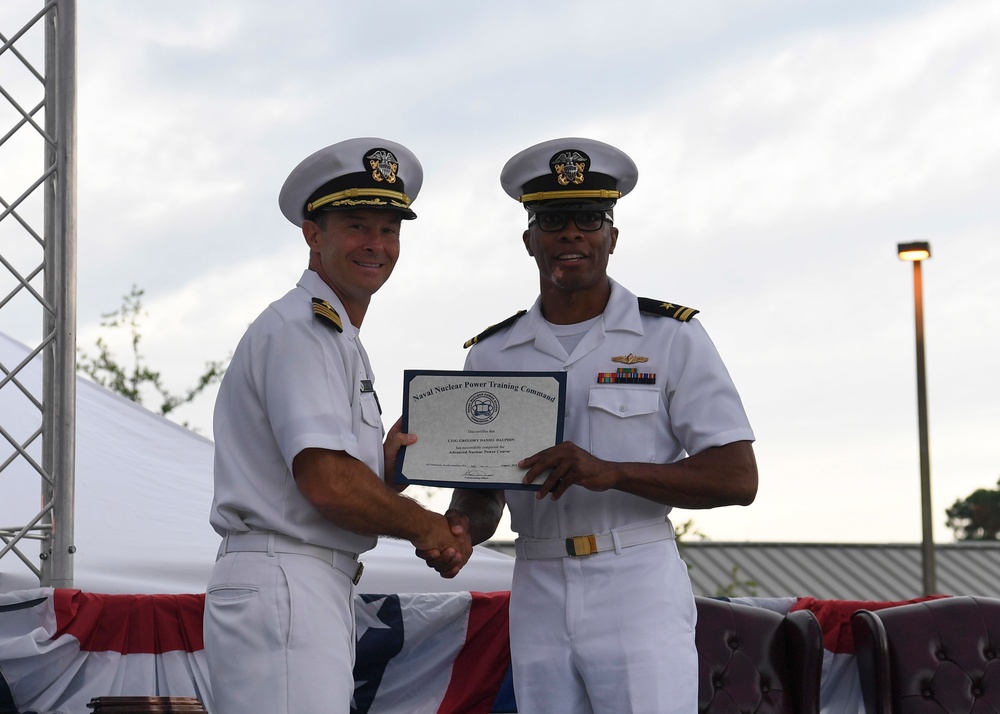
(473,427)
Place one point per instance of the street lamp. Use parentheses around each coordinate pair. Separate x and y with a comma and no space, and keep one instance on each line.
(916,253)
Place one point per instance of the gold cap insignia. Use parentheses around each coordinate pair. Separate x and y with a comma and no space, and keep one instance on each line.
(629,359)
(569,167)
(384,165)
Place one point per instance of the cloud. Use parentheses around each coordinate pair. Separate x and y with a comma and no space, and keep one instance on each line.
(783,150)
(830,122)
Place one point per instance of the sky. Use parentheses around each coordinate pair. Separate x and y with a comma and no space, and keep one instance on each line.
(784,150)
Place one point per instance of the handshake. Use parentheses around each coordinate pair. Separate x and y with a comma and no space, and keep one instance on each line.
(449,547)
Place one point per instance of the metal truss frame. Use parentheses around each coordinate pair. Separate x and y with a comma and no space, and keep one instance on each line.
(46,449)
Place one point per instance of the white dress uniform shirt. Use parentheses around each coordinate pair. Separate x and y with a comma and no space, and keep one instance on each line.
(692,406)
(294,383)
(612,632)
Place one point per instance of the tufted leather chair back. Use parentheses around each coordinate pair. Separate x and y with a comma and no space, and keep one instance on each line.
(755,660)
(936,656)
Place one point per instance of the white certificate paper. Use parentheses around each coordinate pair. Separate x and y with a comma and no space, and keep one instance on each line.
(473,427)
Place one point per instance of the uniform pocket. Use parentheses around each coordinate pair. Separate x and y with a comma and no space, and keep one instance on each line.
(369,410)
(623,423)
(232,593)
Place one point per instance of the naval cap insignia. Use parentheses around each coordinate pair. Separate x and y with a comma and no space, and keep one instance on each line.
(569,166)
(383,164)
(629,359)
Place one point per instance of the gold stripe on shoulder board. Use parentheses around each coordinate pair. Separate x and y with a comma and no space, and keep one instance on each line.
(666,309)
(493,328)
(325,312)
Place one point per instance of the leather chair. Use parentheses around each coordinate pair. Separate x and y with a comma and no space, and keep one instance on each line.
(940,655)
(752,659)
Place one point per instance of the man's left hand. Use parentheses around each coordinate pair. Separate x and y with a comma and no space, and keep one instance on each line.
(570,465)
(395,440)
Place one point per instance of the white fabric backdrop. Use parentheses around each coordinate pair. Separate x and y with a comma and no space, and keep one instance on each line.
(143,494)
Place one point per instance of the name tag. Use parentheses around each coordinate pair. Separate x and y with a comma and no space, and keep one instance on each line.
(368,388)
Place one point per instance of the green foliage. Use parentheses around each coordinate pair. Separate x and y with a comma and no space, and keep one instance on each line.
(977,516)
(737,586)
(685,529)
(131,380)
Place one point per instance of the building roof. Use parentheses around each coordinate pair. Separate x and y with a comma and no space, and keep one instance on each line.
(835,571)
(840,571)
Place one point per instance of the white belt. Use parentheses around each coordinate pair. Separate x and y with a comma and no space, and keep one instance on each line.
(271,543)
(615,539)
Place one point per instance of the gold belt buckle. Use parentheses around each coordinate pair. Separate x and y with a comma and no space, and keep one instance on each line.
(361,569)
(581,545)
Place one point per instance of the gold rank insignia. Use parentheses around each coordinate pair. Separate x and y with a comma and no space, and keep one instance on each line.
(666,309)
(629,359)
(325,313)
(493,329)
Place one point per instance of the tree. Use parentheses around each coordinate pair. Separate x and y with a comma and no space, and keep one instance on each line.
(737,585)
(131,381)
(977,516)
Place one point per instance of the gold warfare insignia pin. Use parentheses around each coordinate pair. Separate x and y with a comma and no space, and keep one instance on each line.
(629,359)
(383,164)
(570,167)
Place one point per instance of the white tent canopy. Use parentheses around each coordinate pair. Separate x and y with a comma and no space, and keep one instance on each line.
(143,495)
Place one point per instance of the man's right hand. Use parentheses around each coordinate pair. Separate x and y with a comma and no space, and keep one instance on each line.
(447,552)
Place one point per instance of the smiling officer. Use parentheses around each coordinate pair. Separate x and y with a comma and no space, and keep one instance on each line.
(602,617)
(299,453)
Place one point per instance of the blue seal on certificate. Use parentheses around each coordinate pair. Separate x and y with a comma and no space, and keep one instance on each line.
(482,408)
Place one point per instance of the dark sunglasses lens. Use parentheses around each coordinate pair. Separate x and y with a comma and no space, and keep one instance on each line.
(589,220)
(585,220)
(551,221)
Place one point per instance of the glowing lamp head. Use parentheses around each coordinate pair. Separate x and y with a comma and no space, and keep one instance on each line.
(913,252)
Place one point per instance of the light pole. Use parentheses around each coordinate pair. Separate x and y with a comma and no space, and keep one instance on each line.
(916,253)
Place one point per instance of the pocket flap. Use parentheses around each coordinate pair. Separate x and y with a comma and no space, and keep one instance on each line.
(625,402)
(369,410)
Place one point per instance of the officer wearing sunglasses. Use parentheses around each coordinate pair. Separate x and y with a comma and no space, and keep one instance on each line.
(602,615)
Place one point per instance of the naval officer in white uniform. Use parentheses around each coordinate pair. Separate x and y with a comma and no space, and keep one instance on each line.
(602,617)
(299,453)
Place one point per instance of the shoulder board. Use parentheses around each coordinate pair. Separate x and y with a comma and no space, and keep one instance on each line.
(666,309)
(493,328)
(325,313)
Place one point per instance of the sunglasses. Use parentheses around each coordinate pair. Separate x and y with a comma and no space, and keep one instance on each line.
(552,221)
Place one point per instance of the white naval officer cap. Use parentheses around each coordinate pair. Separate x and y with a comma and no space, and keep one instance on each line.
(357,173)
(563,174)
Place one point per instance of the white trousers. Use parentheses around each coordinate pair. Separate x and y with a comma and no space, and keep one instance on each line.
(605,634)
(279,635)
